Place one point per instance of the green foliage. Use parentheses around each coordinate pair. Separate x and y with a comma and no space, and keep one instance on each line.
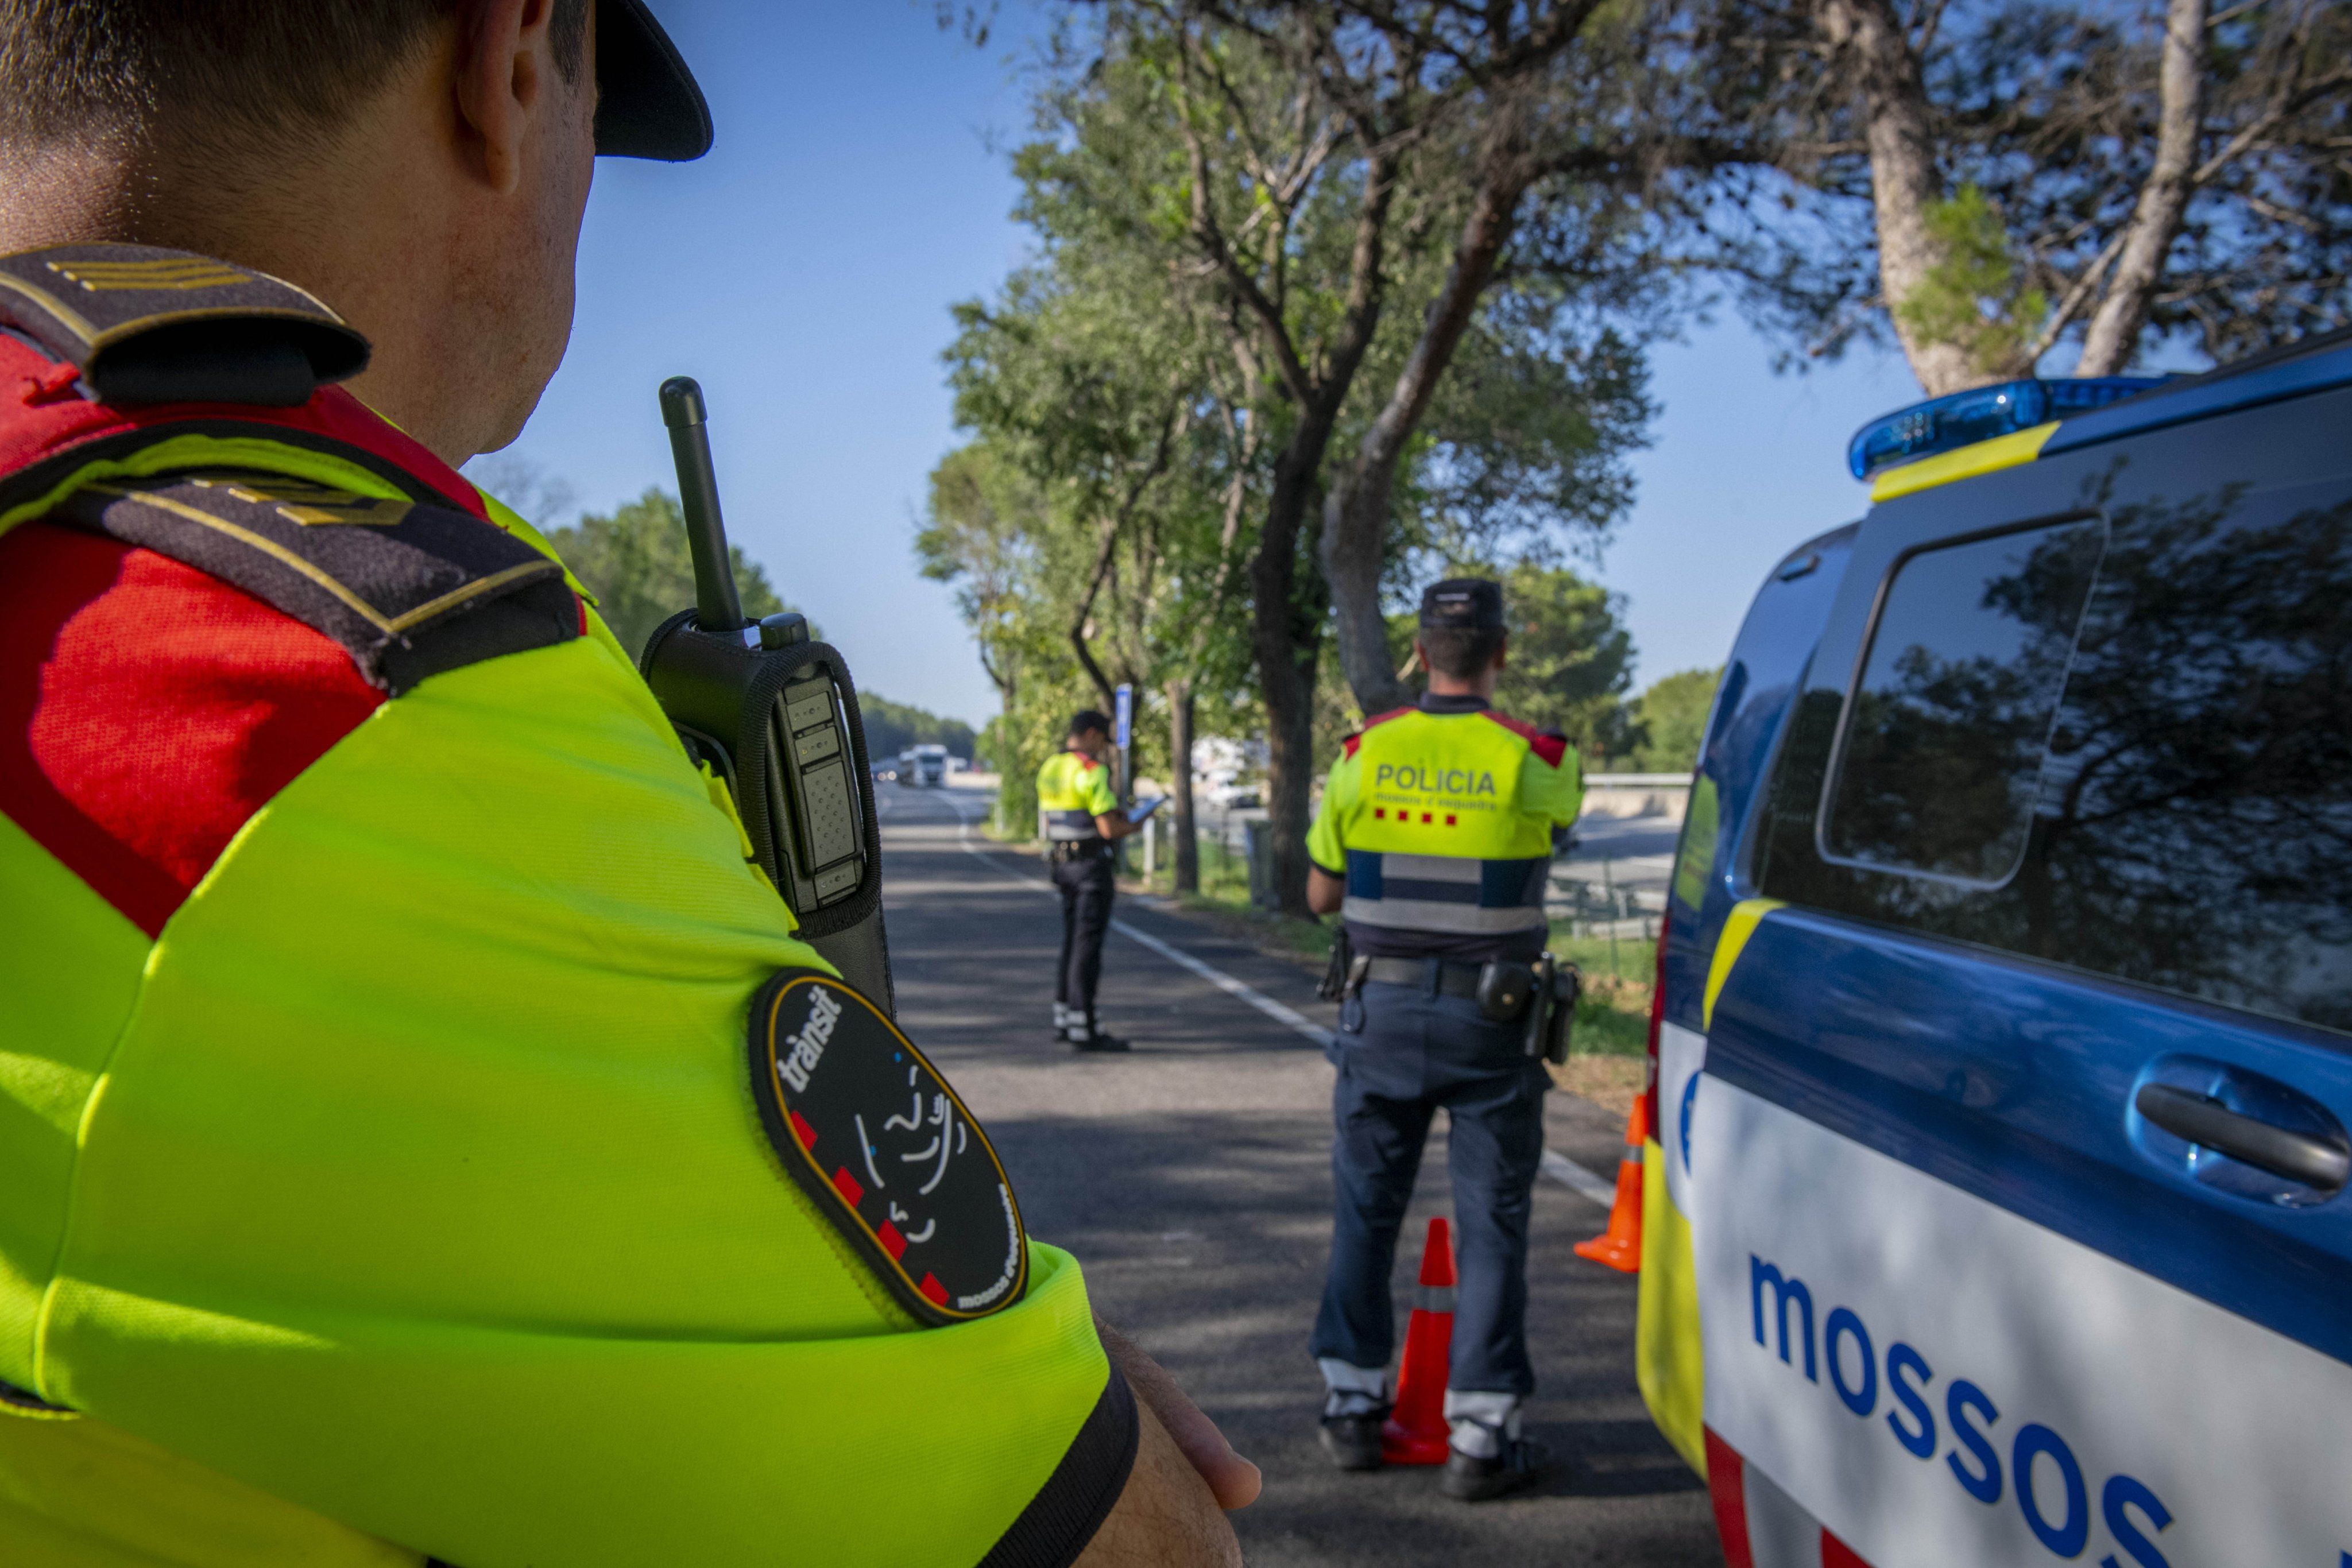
(636,563)
(1973,298)
(1570,660)
(891,727)
(1670,721)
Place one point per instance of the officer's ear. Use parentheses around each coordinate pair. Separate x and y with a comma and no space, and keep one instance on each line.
(507,82)
(1502,653)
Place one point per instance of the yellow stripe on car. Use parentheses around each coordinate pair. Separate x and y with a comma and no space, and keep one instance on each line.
(1736,929)
(1984,457)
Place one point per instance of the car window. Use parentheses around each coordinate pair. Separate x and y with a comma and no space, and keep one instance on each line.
(1939,765)
(2154,784)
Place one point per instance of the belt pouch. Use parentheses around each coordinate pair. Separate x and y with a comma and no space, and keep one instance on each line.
(1504,987)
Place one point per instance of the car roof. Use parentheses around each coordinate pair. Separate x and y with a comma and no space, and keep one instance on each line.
(2307,365)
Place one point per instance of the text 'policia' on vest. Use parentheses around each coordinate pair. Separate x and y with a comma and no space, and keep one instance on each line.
(1441,819)
(428,1128)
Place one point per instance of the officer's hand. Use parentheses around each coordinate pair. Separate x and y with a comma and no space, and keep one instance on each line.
(1165,1518)
(1233,1480)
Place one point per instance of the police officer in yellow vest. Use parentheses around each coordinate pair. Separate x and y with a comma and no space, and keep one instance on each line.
(1077,812)
(402,1157)
(1433,842)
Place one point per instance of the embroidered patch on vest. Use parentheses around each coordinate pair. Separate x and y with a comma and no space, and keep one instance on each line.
(409,590)
(885,1149)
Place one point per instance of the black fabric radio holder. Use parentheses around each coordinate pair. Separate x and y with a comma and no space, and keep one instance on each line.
(782,727)
(1334,982)
(1551,1010)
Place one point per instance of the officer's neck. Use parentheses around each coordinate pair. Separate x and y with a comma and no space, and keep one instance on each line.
(1454,694)
(388,219)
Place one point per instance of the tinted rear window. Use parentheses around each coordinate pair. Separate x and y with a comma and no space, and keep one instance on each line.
(1939,767)
(2153,784)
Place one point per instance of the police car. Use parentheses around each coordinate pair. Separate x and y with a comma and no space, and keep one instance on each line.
(2003,1053)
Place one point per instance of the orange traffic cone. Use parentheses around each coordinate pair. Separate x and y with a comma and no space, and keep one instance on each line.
(1619,1245)
(1416,1430)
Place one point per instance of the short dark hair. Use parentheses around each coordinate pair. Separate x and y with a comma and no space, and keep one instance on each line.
(265,69)
(1087,718)
(1461,653)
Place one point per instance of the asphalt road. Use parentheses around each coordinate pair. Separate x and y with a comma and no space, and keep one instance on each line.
(1191,1179)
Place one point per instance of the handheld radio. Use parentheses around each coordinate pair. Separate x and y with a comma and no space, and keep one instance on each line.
(775,715)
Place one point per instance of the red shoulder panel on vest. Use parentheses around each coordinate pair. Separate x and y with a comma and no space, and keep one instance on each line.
(409,590)
(1547,744)
(133,755)
(1347,746)
(50,427)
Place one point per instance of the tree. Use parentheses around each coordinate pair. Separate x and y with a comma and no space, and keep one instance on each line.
(2040,173)
(537,496)
(1571,659)
(1670,720)
(891,727)
(1277,176)
(1100,506)
(636,563)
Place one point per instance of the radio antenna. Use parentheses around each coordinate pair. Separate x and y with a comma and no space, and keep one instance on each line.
(716,608)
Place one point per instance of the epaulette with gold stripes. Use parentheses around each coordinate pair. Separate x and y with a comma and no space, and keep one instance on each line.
(409,589)
(146,325)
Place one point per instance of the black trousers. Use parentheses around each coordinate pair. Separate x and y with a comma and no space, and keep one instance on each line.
(1086,884)
(1402,1056)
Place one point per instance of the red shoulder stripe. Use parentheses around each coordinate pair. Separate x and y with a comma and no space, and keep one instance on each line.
(1347,746)
(1549,745)
(42,418)
(147,710)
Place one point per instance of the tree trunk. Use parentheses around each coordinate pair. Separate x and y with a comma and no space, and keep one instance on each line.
(1185,856)
(2113,337)
(1903,179)
(1357,515)
(1285,640)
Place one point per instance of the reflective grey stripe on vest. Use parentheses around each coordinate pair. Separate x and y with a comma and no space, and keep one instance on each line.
(1068,827)
(1453,893)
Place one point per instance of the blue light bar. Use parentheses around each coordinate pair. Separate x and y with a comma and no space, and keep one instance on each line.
(1963,419)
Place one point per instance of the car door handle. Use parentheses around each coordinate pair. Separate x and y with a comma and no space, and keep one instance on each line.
(2317,1162)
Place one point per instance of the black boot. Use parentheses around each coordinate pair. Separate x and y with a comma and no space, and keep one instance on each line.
(1353,1440)
(1085,1034)
(1514,1463)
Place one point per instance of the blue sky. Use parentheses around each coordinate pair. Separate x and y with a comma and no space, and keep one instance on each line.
(802,272)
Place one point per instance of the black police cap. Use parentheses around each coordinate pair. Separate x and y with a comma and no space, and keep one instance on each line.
(648,103)
(1465,603)
(1087,718)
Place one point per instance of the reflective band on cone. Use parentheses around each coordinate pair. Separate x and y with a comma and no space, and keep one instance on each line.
(1619,1245)
(1416,1431)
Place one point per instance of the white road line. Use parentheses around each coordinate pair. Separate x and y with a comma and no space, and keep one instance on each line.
(1574,1176)
(1556,1166)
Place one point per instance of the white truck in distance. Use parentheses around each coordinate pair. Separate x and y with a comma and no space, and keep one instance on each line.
(923,767)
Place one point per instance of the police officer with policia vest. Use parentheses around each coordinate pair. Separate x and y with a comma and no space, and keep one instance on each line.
(1433,842)
(1079,812)
(390,1167)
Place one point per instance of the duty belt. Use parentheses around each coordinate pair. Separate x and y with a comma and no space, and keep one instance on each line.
(1454,978)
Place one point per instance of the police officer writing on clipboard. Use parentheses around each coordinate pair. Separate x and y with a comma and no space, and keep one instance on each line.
(397,1165)
(1079,812)
(1433,842)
